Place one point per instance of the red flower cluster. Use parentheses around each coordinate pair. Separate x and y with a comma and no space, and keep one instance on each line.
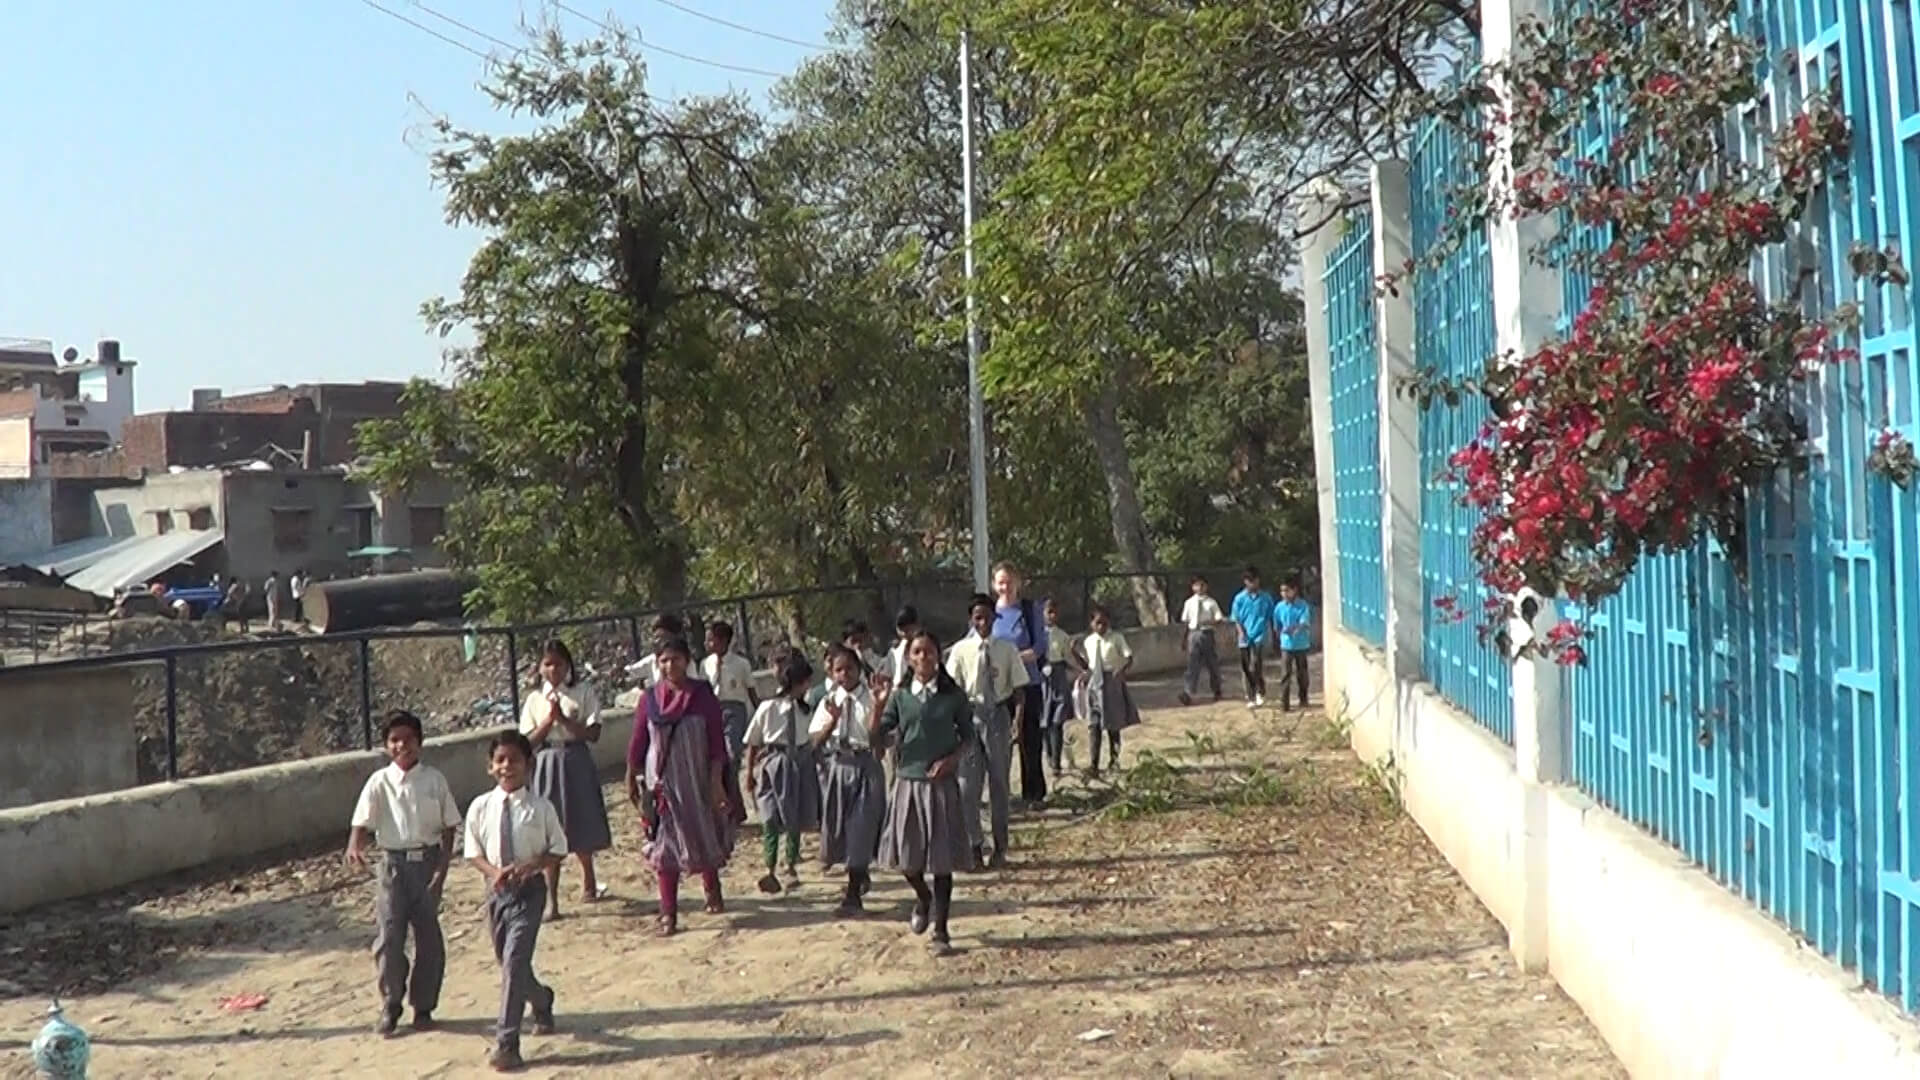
(1674,389)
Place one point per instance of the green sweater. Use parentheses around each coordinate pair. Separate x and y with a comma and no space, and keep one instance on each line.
(926,731)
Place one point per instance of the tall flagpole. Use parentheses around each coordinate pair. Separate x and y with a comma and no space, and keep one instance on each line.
(976,402)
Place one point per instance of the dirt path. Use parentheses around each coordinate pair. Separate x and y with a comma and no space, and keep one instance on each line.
(1317,936)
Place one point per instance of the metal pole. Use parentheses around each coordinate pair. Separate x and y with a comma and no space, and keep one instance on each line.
(744,632)
(173,718)
(976,403)
(513,679)
(366,694)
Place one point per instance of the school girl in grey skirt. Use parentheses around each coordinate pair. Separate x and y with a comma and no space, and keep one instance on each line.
(781,773)
(854,802)
(562,721)
(930,719)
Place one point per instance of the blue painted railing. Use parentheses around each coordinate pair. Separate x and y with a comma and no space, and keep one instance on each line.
(1354,367)
(1770,728)
(1453,333)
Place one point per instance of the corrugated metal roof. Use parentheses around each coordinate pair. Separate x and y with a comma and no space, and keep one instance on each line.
(138,562)
(70,557)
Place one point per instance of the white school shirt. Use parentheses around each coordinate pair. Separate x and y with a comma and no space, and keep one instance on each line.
(1105,652)
(731,676)
(577,702)
(897,664)
(536,826)
(1200,612)
(298,583)
(645,671)
(1008,673)
(856,708)
(406,809)
(779,721)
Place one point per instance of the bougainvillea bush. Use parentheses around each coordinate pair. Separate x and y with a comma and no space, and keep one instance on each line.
(1678,384)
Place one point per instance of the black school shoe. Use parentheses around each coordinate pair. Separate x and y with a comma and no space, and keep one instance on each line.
(543,1019)
(506,1059)
(917,922)
(389,1022)
(423,1020)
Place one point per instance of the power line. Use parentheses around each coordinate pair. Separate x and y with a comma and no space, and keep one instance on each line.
(425,29)
(475,31)
(768,34)
(648,46)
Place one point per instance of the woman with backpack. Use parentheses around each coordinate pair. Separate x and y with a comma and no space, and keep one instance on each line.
(1016,620)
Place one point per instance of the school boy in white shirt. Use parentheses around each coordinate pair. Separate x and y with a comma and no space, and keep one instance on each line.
(406,810)
(990,670)
(1197,620)
(513,838)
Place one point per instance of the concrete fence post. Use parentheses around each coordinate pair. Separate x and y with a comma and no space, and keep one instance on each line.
(1526,309)
(1399,430)
(1319,205)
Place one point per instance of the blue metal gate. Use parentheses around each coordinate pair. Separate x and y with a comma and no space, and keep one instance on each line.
(1354,369)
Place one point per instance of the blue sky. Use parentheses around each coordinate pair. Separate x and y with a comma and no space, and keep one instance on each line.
(227,186)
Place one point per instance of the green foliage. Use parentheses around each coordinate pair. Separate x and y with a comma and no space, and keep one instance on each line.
(1199,775)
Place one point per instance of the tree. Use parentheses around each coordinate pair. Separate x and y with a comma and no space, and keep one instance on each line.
(612,240)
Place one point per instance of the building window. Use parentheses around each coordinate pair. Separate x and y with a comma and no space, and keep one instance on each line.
(73,421)
(162,521)
(200,517)
(291,528)
(363,527)
(426,525)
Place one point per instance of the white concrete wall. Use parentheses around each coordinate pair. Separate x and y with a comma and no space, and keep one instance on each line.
(1682,977)
(77,847)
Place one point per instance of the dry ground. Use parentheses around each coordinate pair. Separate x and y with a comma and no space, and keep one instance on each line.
(1321,936)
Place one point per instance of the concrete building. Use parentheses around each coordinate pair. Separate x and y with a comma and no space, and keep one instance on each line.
(278,520)
(68,405)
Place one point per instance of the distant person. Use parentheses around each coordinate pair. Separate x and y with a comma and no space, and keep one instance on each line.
(1057,674)
(731,676)
(645,671)
(1293,627)
(858,638)
(1253,614)
(1197,621)
(931,720)
(514,838)
(988,668)
(853,803)
(407,811)
(297,585)
(676,765)
(234,608)
(271,587)
(906,624)
(1016,619)
(782,776)
(562,721)
(1106,658)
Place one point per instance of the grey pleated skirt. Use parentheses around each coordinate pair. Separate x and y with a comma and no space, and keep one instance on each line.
(564,775)
(925,833)
(853,809)
(788,790)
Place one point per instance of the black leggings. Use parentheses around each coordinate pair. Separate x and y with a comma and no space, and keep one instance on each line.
(1113,746)
(937,903)
(1252,670)
(1293,673)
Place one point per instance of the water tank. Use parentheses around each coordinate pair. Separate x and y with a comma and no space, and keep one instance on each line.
(204,397)
(109,351)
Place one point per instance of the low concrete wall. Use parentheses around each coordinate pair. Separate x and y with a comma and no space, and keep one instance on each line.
(66,733)
(1682,977)
(77,847)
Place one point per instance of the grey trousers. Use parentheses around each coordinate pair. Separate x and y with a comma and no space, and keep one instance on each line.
(1202,656)
(986,764)
(514,919)
(406,902)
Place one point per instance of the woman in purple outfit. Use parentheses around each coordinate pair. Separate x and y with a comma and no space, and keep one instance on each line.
(676,765)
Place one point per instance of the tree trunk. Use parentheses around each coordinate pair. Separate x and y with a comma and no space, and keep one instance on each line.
(1102,409)
(640,259)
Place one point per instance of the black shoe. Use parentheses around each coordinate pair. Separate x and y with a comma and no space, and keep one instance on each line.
(543,1018)
(506,1059)
(917,922)
(423,1020)
(389,1021)
(998,861)
(939,946)
(1186,698)
(770,884)
(850,907)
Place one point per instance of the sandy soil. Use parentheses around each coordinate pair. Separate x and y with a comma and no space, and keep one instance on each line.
(1318,937)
